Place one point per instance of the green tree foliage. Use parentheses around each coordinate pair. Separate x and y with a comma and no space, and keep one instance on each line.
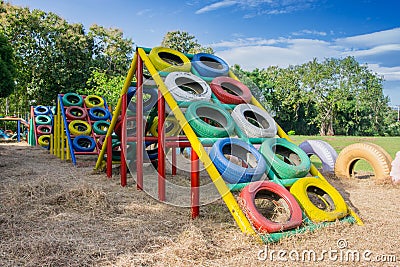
(53,56)
(329,97)
(7,68)
(184,42)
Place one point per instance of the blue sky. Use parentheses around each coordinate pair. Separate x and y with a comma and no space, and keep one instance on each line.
(257,33)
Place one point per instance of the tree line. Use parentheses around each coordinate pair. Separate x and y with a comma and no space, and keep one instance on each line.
(45,55)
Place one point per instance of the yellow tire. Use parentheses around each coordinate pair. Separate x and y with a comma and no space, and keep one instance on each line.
(79,127)
(320,201)
(94,101)
(376,156)
(169,60)
(44,140)
(171,126)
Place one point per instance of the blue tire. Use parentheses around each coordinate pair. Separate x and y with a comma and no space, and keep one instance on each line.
(209,65)
(147,104)
(41,110)
(131,92)
(83,143)
(99,114)
(234,173)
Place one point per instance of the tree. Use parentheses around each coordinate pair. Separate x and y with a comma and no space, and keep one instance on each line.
(184,43)
(7,68)
(111,51)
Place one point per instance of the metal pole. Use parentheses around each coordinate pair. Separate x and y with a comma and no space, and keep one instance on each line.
(139,123)
(161,145)
(195,183)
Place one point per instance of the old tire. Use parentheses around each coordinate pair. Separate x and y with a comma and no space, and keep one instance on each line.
(273,147)
(44,140)
(92,101)
(43,120)
(43,129)
(79,127)
(230,91)
(41,110)
(99,114)
(101,127)
(187,87)
(232,172)
(147,104)
(169,60)
(83,143)
(209,65)
(254,121)
(267,189)
(198,112)
(331,205)
(75,113)
(72,99)
(323,150)
(171,126)
(371,153)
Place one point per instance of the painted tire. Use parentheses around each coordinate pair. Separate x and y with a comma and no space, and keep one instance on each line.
(323,150)
(83,143)
(130,93)
(43,129)
(43,120)
(187,87)
(44,140)
(147,104)
(99,114)
(75,113)
(209,65)
(331,204)
(92,101)
(349,156)
(254,121)
(272,190)
(169,60)
(294,169)
(197,111)
(395,171)
(41,110)
(101,127)
(230,91)
(171,125)
(232,172)
(79,127)
(53,110)
(72,99)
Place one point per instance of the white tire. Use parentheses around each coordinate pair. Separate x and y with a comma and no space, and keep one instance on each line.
(247,115)
(187,87)
(324,151)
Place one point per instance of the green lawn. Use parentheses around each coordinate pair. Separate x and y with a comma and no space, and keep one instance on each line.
(390,144)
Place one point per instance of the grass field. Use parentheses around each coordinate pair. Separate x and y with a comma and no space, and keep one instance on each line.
(390,144)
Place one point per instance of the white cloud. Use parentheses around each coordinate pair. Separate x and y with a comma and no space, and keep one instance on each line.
(391,36)
(309,32)
(375,50)
(216,6)
(389,73)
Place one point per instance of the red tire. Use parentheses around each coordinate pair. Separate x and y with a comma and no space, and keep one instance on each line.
(75,113)
(230,91)
(43,129)
(259,221)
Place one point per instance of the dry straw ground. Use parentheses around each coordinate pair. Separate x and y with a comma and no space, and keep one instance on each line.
(53,214)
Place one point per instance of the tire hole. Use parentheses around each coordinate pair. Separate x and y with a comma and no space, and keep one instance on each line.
(212,63)
(320,198)
(272,206)
(171,58)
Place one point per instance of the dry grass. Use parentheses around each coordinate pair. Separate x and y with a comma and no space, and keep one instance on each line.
(53,214)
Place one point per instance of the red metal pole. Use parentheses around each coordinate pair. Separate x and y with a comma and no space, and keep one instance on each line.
(173,161)
(123,141)
(161,145)
(195,183)
(139,124)
(109,157)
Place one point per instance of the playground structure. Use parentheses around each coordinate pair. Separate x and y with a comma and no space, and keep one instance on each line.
(41,122)
(18,134)
(79,126)
(171,70)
